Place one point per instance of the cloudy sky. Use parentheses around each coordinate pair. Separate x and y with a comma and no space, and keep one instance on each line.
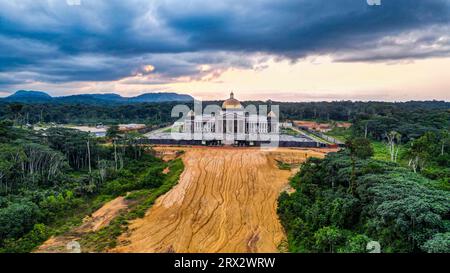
(292,50)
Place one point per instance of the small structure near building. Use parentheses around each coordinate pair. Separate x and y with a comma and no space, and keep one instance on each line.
(98,131)
(131,127)
(285,125)
(315,126)
(320,127)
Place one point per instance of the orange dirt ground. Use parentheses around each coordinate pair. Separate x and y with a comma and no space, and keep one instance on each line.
(225,202)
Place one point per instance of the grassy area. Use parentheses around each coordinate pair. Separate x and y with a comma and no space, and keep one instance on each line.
(341,134)
(437,174)
(289,131)
(106,237)
(170,128)
(381,152)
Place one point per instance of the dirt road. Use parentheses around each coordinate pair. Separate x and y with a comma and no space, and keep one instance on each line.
(225,201)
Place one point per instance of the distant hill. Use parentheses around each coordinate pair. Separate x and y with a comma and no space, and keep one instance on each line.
(29,97)
(23,96)
(161,97)
(92,98)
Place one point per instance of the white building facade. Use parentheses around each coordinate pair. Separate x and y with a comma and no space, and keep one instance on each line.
(233,124)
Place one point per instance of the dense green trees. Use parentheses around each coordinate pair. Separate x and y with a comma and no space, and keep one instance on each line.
(50,175)
(148,113)
(409,123)
(438,244)
(429,154)
(380,117)
(415,134)
(74,145)
(394,206)
(349,199)
(17,218)
(29,164)
(358,148)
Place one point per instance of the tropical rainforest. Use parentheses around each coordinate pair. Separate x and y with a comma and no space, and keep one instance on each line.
(387,191)
(401,210)
(50,180)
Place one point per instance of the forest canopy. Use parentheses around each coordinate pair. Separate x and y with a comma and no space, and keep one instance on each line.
(401,210)
(50,180)
(156,113)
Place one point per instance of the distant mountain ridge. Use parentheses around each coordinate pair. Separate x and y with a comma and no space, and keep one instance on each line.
(29,96)
(24,96)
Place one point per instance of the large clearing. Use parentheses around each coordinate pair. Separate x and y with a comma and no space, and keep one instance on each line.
(225,201)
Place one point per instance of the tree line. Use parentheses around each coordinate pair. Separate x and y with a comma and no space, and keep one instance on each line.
(157,113)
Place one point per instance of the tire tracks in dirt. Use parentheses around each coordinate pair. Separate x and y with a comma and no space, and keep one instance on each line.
(225,201)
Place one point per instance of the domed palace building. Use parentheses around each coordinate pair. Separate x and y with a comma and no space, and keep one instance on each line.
(232,125)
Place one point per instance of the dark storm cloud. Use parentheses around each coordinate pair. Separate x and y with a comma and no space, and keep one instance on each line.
(112,39)
(298,28)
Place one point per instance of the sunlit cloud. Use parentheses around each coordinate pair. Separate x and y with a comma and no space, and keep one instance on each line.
(204,68)
(149,68)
